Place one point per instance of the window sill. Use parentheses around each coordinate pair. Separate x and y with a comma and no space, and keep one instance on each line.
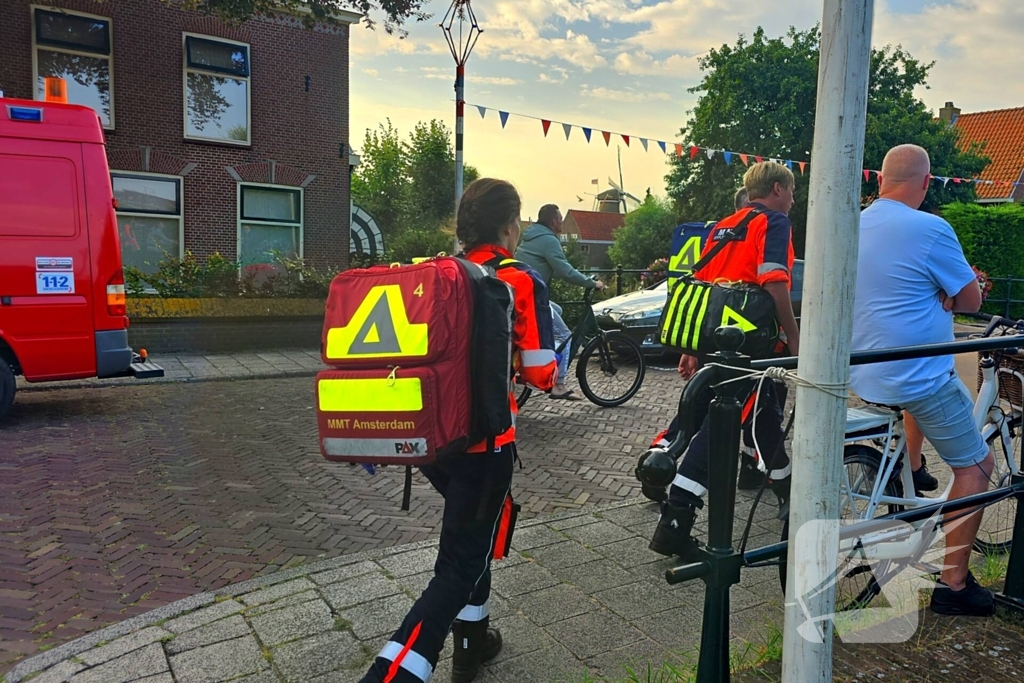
(217,143)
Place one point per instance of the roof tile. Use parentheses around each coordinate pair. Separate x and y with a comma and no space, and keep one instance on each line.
(1003,132)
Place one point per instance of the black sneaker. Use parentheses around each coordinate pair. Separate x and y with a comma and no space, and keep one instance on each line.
(974,600)
(923,479)
(780,488)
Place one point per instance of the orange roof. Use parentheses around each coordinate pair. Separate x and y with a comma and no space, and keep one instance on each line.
(596,226)
(1003,131)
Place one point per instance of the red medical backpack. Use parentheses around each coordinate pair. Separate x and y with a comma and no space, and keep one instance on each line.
(419,360)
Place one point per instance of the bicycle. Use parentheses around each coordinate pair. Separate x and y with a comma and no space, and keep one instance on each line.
(611,355)
(864,492)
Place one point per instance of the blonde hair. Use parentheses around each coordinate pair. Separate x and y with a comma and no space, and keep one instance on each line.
(760,179)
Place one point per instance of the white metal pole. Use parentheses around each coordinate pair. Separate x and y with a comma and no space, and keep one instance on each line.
(832,238)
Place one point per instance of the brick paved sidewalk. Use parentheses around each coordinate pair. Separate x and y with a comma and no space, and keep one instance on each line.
(185,367)
(581,595)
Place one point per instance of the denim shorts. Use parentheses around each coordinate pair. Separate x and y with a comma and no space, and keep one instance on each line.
(946,419)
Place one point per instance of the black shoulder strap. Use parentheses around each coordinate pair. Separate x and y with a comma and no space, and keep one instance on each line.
(733,234)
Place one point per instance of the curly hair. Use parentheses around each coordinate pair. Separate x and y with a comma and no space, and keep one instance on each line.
(487,206)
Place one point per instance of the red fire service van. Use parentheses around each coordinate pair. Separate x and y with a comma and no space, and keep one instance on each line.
(62,297)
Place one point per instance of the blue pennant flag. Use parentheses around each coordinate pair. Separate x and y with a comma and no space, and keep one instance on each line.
(789,164)
(586,131)
(482,110)
(662,145)
(504,117)
(728,157)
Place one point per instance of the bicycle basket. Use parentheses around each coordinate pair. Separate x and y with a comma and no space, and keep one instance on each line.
(1010,388)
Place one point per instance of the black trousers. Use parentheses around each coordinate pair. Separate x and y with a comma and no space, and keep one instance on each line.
(692,472)
(474,486)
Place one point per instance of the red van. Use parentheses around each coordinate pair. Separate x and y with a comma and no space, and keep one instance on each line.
(62,298)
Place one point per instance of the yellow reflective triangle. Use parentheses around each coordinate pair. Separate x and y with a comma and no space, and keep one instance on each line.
(379,328)
(731,317)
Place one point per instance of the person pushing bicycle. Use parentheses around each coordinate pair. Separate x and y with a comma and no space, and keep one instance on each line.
(541,249)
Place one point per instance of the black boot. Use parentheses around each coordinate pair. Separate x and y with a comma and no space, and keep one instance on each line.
(672,537)
(780,488)
(750,477)
(475,643)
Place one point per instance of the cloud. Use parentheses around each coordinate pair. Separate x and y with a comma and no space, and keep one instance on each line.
(370,72)
(641,63)
(602,93)
(448,74)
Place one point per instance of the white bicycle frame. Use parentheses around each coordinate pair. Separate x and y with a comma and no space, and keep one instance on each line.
(895,543)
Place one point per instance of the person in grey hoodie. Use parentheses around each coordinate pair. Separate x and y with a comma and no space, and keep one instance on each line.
(541,249)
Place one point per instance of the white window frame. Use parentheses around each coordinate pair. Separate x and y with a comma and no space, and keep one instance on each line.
(185,69)
(142,214)
(241,220)
(36,95)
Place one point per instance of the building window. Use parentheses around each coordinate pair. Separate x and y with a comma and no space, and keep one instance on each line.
(585,248)
(149,218)
(76,48)
(217,93)
(269,225)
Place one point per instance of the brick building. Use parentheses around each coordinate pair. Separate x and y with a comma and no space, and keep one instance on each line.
(1002,133)
(220,138)
(595,231)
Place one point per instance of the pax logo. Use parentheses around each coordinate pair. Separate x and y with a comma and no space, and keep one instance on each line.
(406,448)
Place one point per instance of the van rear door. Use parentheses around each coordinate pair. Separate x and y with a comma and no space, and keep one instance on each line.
(45,272)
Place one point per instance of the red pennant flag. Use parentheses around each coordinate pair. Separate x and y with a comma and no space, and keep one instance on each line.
(679,150)
(956,180)
(803,165)
(607,137)
(625,138)
(867,175)
(693,152)
(759,159)
(745,160)
(546,124)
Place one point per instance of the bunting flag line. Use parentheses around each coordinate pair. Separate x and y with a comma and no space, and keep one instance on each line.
(727,155)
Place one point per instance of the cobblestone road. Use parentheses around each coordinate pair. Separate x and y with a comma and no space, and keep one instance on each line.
(116,500)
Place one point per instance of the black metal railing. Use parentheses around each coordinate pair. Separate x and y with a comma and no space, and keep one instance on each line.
(721,564)
(1002,296)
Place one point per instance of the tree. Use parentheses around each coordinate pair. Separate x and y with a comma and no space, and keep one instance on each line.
(380,184)
(646,236)
(409,187)
(759,96)
(431,162)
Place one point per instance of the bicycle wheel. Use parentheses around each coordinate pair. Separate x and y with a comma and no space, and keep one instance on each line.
(611,369)
(995,537)
(858,586)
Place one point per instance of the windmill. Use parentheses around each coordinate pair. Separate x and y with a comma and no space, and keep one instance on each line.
(616,199)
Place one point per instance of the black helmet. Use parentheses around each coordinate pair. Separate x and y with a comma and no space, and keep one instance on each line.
(656,468)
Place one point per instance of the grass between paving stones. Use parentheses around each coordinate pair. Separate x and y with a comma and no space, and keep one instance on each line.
(749,657)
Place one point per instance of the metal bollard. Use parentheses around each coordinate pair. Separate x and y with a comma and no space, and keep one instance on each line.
(720,567)
(1012,596)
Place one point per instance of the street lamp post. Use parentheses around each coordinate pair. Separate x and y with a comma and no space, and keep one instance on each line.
(461,40)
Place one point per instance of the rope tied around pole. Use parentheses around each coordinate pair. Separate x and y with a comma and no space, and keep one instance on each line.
(839,390)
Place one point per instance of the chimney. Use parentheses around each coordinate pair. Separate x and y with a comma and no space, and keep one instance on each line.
(949,114)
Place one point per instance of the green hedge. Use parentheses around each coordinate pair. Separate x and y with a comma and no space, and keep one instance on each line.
(993,241)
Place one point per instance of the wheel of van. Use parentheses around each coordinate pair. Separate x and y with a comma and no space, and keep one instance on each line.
(7,387)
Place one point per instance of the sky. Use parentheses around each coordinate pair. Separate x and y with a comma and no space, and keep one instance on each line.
(626,66)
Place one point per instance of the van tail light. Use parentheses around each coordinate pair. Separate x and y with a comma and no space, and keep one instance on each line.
(116,304)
